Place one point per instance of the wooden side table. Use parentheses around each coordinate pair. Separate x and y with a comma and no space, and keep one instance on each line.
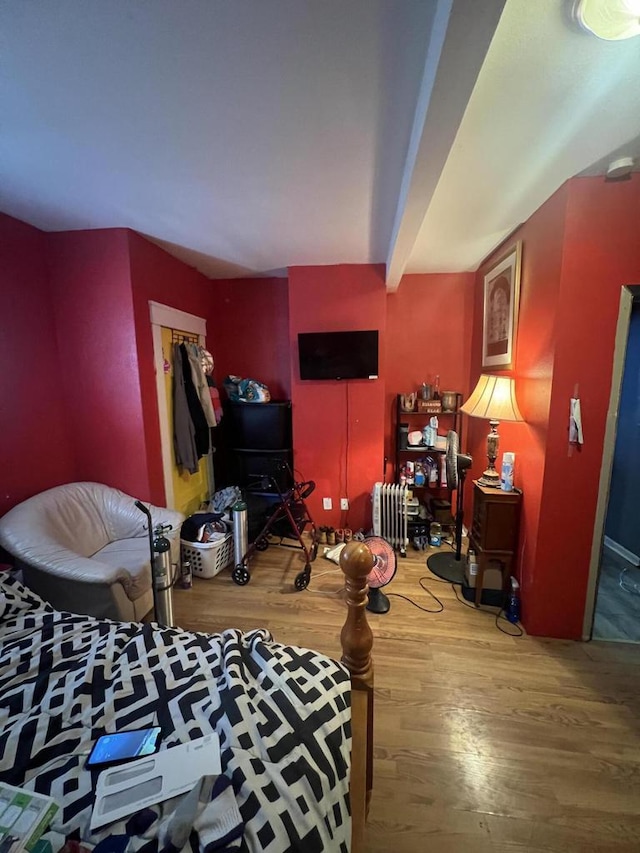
(494,531)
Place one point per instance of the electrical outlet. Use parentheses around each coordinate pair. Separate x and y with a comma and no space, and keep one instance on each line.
(344,503)
(327,503)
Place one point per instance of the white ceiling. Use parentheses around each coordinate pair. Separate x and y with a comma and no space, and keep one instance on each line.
(253,135)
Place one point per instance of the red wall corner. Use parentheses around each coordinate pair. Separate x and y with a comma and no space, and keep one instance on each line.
(35,437)
(601,253)
(542,239)
(93,309)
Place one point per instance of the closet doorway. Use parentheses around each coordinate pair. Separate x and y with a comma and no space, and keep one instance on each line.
(183,491)
(613,597)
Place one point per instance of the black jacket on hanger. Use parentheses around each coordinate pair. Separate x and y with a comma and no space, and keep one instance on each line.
(202,436)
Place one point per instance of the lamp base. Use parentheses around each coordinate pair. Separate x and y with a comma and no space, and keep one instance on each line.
(490,478)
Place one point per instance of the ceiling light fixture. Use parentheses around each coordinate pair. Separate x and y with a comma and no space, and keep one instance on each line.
(608,19)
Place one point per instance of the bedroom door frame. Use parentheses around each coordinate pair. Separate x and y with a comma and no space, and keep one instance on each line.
(629,294)
(172,318)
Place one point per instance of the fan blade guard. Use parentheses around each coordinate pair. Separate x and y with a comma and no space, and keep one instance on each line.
(451,461)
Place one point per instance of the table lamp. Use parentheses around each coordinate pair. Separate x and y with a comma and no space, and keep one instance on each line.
(494,398)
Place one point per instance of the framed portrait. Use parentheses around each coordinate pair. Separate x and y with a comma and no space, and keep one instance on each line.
(500,319)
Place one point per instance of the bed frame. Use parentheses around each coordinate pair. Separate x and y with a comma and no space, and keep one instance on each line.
(356,561)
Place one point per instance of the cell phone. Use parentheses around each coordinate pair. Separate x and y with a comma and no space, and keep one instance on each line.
(124,746)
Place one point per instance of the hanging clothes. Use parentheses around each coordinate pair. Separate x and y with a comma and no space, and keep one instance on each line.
(202,436)
(184,443)
(215,398)
(200,383)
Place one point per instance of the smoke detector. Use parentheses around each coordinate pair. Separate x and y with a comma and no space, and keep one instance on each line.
(619,169)
(608,19)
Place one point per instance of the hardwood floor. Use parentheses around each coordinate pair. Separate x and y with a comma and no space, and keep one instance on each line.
(483,742)
(617,615)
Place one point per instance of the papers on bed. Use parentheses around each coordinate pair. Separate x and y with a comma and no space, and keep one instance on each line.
(24,816)
(127,788)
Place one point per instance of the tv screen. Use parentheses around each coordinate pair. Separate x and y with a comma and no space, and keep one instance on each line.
(338,355)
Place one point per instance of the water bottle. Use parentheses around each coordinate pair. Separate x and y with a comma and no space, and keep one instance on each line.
(513,606)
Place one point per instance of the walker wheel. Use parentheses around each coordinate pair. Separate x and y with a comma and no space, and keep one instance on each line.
(261,544)
(302,580)
(240,575)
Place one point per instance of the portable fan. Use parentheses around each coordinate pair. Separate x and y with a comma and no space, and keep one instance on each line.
(450,566)
(382,573)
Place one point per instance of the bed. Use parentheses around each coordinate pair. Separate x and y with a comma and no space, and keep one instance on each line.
(294,726)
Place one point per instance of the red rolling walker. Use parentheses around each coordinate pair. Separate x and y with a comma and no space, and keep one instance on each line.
(289,519)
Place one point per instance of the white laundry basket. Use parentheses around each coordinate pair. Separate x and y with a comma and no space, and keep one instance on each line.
(208,558)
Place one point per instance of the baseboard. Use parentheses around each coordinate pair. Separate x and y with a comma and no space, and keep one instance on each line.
(621,551)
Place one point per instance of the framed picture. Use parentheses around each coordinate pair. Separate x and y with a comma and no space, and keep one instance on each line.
(500,319)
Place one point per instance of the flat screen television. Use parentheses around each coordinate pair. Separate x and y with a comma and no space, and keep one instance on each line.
(338,355)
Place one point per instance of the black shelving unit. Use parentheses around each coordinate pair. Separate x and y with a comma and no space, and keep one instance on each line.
(255,441)
(417,420)
(259,440)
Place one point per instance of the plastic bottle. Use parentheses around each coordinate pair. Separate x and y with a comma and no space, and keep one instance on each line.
(513,605)
(410,469)
(506,473)
(185,575)
(435,534)
(473,563)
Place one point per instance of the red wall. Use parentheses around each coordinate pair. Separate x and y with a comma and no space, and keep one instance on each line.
(35,442)
(158,276)
(579,249)
(429,325)
(250,331)
(601,254)
(99,377)
(542,248)
(333,420)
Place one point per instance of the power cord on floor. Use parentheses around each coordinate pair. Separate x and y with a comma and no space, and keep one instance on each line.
(483,609)
(322,592)
(415,603)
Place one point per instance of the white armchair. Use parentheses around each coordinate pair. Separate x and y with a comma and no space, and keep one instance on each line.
(84,547)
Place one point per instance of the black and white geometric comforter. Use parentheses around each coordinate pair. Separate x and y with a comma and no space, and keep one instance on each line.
(282,715)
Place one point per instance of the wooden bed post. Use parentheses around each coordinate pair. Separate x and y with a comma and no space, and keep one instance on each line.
(356,561)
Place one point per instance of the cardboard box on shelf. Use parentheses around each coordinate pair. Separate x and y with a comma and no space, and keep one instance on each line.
(440,510)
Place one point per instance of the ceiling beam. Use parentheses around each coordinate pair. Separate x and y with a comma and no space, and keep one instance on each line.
(460,38)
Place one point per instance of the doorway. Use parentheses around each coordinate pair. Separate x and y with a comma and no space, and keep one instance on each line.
(183,491)
(615,569)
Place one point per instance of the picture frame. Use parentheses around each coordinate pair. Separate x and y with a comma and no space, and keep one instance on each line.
(500,311)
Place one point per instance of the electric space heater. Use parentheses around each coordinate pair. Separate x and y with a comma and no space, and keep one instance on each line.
(390,515)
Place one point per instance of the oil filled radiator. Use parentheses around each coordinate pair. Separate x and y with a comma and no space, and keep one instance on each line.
(390,514)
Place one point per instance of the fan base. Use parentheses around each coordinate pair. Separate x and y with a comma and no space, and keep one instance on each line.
(446,566)
(378,601)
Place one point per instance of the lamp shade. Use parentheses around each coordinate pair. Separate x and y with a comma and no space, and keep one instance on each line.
(493,398)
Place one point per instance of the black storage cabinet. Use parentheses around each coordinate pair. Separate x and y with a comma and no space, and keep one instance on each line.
(255,441)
